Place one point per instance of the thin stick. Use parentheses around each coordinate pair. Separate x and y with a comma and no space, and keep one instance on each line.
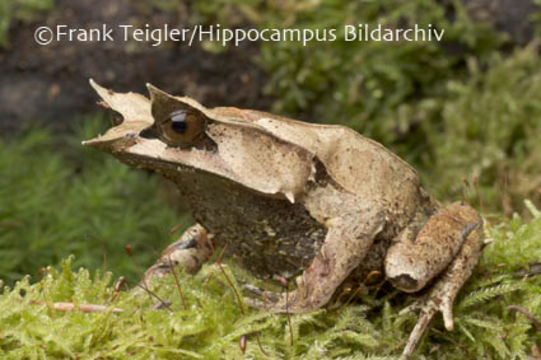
(260,345)
(174,229)
(534,269)
(265,294)
(481,204)
(285,284)
(141,274)
(11,224)
(177,282)
(137,267)
(352,296)
(466,188)
(289,318)
(69,306)
(153,294)
(104,257)
(219,263)
(121,281)
(526,313)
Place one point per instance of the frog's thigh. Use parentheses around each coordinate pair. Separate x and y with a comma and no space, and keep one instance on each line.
(411,264)
(347,241)
(189,252)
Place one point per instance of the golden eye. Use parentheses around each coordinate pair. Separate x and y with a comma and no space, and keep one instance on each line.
(183,128)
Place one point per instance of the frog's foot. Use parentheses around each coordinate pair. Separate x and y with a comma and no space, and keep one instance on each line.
(189,252)
(446,287)
(300,300)
(428,308)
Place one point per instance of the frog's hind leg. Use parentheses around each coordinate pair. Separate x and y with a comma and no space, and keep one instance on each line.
(452,239)
(347,242)
(189,252)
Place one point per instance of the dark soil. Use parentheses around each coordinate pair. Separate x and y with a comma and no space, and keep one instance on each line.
(49,84)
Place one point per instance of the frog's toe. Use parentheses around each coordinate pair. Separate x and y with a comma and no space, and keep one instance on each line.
(261,293)
(417,333)
(427,306)
(283,302)
(271,302)
(446,309)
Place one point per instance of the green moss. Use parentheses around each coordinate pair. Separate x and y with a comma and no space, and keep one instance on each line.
(20,10)
(490,127)
(211,326)
(59,198)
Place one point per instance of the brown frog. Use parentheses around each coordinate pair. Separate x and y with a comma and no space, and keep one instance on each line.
(292,198)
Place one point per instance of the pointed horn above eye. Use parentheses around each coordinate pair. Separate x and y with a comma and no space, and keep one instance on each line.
(155,92)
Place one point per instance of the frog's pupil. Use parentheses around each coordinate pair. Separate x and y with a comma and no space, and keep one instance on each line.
(178,122)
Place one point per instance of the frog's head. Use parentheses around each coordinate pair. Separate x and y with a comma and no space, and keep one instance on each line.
(175,134)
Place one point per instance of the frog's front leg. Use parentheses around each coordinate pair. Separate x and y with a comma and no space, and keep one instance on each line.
(347,242)
(449,245)
(189,252)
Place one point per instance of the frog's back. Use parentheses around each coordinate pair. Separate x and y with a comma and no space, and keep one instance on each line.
(360,165)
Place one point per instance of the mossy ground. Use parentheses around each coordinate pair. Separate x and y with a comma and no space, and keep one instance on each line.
(211,325)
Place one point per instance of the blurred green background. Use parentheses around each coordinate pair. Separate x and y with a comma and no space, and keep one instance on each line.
(468,107)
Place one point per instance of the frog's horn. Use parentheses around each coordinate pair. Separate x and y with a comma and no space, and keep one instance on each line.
(164,103)
(136,116)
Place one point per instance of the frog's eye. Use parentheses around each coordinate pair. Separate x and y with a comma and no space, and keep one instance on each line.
(183,128)
(179,121)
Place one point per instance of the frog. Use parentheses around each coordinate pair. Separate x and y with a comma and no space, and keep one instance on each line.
(317,203)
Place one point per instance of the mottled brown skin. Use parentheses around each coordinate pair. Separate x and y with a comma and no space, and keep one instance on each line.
(290,198)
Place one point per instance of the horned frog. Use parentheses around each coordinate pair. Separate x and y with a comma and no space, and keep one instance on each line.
(293,198)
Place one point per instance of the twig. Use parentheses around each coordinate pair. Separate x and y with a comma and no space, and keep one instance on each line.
(285,284)
(11,223)
(137,267)
(177,282)
(534,269)
(164,303)
(153,294)
(69,306)
(260,345)
(174,229)
(219,263)
(526,313)
(466,188)
(352,296)
(104,257)
(116,290)
(481,204)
